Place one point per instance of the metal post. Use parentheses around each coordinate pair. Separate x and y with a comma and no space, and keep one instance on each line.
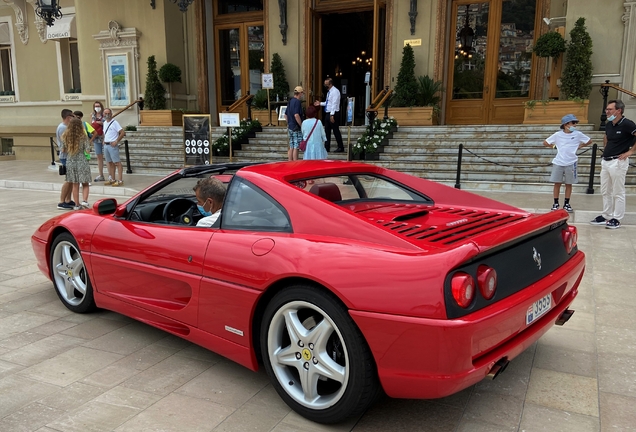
(128,168)
(459,167)
(590,184)
(386,104)
(371,115)
(604,91)
(249,108)
(52,151)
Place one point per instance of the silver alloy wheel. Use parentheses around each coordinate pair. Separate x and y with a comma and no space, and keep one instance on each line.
(308,355)
(69,273)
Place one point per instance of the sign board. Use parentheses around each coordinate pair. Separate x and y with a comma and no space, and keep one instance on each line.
(367,77)
(227,119)
(267,81)
(197,145)
(413,42)
(281,113)
(351,104)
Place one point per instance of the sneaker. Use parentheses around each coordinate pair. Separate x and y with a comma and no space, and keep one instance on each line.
(117,183)
(568,208)
(77,208)
(598,220)
(99,178)
(85,205)
(555,206)
(109,183)
(71,203)
(64,206)
(613,224)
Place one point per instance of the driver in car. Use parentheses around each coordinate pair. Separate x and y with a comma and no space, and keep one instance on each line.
(210,193)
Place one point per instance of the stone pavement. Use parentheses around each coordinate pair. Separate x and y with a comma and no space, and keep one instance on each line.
(61,371)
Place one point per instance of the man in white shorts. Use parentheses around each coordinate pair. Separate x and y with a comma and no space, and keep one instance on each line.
(113,134)
(567,141)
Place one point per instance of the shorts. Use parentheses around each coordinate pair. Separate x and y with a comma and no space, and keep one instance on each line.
(99,146)
(295,137)
(63,161)
(564,174)
(111,153)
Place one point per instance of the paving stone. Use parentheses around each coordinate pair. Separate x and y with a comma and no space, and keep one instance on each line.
(563,391)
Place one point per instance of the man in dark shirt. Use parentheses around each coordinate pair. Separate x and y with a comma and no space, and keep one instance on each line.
(294,117)
(619,142)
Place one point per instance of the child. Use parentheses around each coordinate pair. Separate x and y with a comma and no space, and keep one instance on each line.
(567,141)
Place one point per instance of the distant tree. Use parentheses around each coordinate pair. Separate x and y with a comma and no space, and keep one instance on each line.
(154,95)
(170,73)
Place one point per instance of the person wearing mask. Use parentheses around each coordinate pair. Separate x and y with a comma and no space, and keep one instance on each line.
(332,115)
(314,134)
(294,118)
(77,168)
(567,141)
(618,141)
(97,122)
(113,134)
(65,195)
(210,193)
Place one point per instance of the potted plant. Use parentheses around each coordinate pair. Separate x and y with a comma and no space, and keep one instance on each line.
(259,106)
(576,83)
(369,146)
(170,73)
(155,112)
(415,101)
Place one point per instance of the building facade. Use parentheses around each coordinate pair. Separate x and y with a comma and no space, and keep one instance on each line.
(99,50)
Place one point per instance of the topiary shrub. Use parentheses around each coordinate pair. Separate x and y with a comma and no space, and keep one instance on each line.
(170,73)
(281,86)
(154,95)
(576,82)
(260,100)
(406,88)
(550,44)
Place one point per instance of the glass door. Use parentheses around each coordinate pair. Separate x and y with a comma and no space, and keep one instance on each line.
(240,61)
(490,72)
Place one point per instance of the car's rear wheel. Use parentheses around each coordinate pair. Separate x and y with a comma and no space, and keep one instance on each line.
(316,357)
(70,278)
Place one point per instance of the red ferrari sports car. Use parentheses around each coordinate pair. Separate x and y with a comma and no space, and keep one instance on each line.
(342,279)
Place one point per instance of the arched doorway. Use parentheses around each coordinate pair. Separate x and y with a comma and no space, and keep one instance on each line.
(491,70)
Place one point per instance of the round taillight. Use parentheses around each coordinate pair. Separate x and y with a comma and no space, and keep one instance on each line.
(569,236)
(487,281)
(463,288)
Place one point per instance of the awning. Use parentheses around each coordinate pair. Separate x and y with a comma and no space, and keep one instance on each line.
(62,28)
(4,34)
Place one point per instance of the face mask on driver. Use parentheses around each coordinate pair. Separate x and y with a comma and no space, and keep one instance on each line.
(203,212)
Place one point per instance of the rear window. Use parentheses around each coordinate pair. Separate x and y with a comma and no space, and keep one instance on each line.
(355,187)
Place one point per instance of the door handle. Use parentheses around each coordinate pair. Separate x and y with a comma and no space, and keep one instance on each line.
(486,89)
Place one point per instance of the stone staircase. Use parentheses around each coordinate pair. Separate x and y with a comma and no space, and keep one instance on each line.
(500,157)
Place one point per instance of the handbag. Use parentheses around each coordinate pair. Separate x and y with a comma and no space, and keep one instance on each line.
(303,143)
(62,169)
(87,155)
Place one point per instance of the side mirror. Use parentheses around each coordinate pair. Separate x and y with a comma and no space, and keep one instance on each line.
(105,206)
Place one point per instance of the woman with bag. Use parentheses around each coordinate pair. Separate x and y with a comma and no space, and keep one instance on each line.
(97,122)
(77,168)
(314,136)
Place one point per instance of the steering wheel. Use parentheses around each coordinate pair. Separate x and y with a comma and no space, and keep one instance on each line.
(181,211)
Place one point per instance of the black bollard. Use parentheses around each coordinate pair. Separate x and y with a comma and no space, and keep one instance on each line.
(604,91)
(590,184)
(459,167)
(249,108)
(52,151)
(128,168)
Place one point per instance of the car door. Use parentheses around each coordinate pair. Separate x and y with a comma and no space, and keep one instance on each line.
(241,259)
(156,267)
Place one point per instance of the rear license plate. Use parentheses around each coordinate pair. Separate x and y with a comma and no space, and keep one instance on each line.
(538,308)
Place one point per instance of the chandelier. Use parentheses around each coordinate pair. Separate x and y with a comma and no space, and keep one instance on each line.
(48,10)
(183,4)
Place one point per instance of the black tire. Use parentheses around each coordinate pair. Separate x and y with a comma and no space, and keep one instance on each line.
(330,351)
(69,275)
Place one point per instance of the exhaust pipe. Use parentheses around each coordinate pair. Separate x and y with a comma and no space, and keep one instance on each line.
(498,368)
(564,317)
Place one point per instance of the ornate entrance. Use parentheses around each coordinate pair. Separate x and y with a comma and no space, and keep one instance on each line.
(491,70)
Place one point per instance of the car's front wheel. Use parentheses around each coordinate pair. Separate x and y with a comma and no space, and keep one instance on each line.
(70,278)
(316,356)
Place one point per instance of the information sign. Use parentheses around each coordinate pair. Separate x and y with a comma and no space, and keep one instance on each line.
(196,139)
(267,81)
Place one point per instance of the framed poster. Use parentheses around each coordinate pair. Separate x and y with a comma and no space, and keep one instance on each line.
(227,119)
(118,80)
(197,145)
(351,104)
(267,81)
